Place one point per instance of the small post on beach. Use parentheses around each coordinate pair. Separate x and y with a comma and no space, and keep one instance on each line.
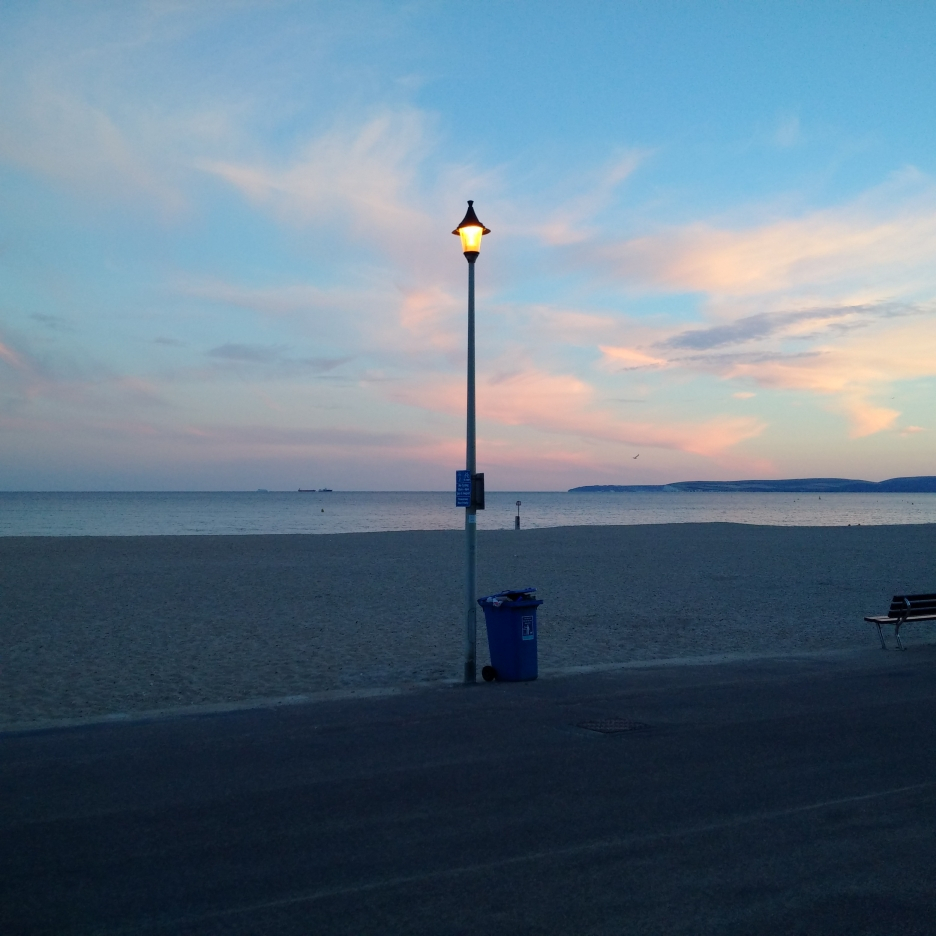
(471,230)
(517,518)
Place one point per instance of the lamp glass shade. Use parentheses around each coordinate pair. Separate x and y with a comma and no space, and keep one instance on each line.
(471,230)
(471,238)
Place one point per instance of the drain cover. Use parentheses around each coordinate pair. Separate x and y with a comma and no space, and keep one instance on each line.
(613,725)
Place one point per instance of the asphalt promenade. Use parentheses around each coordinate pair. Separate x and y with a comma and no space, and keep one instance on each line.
(787,796)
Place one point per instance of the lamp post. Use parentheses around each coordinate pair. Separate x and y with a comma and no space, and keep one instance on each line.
(471,230)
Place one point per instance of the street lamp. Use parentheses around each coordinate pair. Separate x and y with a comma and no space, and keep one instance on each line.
(471,230)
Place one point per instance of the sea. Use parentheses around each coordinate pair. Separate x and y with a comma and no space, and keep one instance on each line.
(323,512)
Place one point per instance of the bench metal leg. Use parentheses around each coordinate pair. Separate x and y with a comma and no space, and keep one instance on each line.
(897,635)
(881,635)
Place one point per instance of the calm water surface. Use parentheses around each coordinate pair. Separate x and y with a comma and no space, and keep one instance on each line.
(149,514)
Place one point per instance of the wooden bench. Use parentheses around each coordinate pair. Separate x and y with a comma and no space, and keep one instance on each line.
(905,609)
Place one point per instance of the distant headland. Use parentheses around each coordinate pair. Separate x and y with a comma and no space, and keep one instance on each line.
(925,484)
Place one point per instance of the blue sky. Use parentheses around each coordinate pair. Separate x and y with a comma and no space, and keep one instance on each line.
(226,255)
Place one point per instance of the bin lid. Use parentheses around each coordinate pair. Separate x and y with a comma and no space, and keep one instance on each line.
(511,594)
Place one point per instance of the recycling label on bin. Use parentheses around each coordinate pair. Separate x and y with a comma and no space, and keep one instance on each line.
(462,488)
(526,627)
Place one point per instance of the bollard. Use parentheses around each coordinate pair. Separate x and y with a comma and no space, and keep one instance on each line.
(517,518)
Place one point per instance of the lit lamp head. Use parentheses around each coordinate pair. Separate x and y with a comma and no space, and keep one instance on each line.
(471,230)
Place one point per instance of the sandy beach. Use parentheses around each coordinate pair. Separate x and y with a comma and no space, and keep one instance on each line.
(99,625)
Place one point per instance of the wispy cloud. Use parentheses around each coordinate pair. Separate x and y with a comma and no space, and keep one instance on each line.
(348,439)
(276,301)
(563,404)
(884,238)
(355,178)
(54,322)
(852,368)
(393,324)
(352,297)
(804,324)
(573,219)
(10,357)
(275,355)
(787,132)
(253,354)
(100,150)
(30,384)
(839,303)
(622,358)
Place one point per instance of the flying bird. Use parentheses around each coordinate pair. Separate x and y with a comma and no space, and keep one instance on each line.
(637,455)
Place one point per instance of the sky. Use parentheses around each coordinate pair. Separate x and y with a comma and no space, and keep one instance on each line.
(226,259)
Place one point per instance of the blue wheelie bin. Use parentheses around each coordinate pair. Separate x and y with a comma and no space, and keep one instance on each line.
(511,628)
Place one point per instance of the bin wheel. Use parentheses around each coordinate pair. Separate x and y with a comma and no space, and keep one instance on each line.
(488,673)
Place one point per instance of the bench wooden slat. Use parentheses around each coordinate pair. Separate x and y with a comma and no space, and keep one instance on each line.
(916,604)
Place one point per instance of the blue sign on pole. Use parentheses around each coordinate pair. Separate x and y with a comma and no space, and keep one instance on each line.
(462,488)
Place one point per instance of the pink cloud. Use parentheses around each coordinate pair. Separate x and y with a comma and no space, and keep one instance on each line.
(891,230)
(11,357)
(621,358)
(565,405)
(866,418)
(429,316)
(856,369)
